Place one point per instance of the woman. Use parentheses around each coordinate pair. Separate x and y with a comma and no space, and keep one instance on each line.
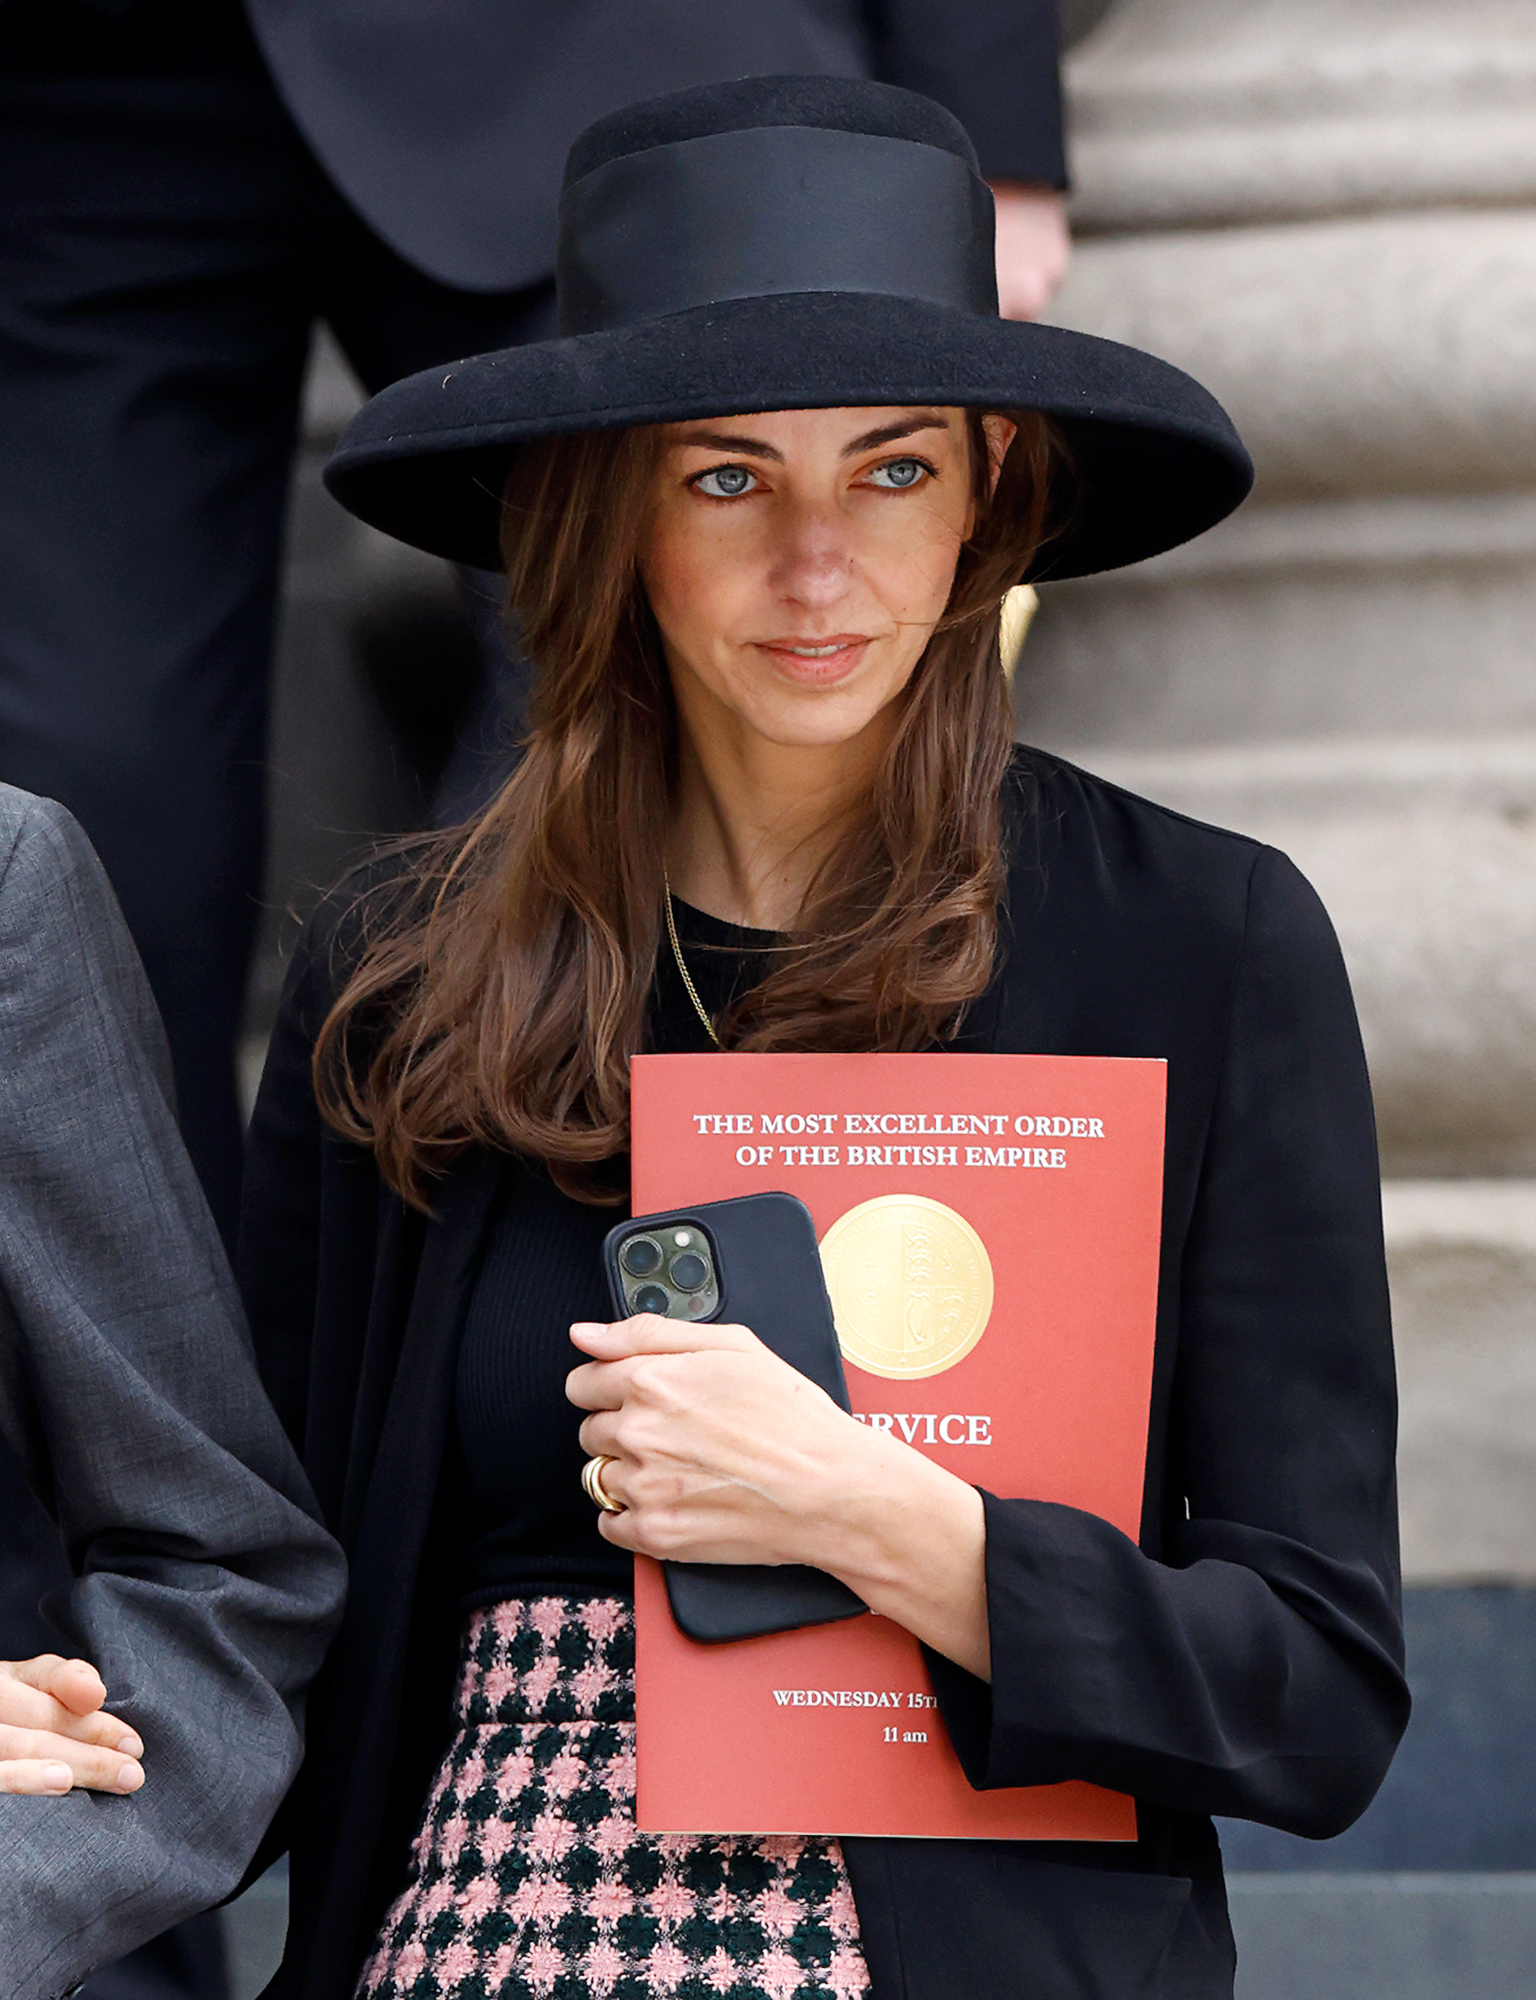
(758,508)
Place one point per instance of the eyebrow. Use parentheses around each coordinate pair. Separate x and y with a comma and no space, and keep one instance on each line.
(927,420)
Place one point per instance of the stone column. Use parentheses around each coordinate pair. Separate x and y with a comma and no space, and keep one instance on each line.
(1326,210)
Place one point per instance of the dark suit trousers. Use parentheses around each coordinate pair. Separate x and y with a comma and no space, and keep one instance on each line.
(167,243)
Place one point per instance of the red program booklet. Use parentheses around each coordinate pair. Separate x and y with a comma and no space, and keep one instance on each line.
(989,1229)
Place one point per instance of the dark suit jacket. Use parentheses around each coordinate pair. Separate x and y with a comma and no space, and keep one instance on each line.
(446,123)
(1245,1659)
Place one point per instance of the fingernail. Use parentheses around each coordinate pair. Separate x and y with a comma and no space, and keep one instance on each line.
(586,1328)
(130,1777)
(131,1746)
(58,1777)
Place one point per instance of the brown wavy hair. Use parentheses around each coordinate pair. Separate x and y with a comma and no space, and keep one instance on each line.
(503,975)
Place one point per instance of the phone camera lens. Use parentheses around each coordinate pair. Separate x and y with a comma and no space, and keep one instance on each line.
(689,1271)
(650,1299)
(641,1256)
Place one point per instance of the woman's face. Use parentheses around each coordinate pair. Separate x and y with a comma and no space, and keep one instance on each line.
(798,562)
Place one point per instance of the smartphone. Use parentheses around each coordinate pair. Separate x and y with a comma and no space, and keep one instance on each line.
(752,1262)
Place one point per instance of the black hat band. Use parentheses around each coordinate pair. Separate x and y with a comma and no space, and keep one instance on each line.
(772,209)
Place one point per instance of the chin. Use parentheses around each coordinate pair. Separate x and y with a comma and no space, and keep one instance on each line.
(814,718)
(811,731)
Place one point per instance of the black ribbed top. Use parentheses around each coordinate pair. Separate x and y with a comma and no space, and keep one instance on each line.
(532,1529)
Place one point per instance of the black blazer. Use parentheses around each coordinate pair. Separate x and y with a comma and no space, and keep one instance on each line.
(1245,1659)
(446,123)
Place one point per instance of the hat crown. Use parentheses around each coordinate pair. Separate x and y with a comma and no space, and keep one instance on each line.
(752,103)
(771,186)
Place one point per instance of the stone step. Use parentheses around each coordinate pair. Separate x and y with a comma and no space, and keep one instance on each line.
(1424,851)
(1250,786)
(1308,619)
(1462,1256)
(1384,1937)
(1198,113)
(254,1926)
(1330,1937)
(1458,1796)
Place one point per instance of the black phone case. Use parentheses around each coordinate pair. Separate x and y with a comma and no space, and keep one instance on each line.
(770,1276)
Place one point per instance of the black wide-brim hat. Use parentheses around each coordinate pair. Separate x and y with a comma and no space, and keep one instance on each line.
(782,243)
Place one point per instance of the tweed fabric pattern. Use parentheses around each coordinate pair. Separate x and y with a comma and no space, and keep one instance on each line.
(528,1875)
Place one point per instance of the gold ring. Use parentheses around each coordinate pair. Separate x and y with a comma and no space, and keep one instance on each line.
(596,1491)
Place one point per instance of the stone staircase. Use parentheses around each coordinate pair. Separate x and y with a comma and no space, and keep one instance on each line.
(1326,210)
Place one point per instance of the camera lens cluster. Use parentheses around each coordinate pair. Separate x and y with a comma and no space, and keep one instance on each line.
(677,1273)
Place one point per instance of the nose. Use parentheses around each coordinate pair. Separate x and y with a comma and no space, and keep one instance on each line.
(813,561)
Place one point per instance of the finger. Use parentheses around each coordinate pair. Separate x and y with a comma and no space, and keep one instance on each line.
(104,1732)
(73,1683)
(608,1385)
(24,1707)
(35,1776)
(599,1436)
(596,1385)
(96,1769)
(651,1333)
(100,1731)
(78,1686)
(619,1529)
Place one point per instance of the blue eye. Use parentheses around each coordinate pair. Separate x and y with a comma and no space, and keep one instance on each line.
(726,482)
(900,473)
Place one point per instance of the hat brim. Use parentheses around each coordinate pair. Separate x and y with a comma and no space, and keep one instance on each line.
(1157,459)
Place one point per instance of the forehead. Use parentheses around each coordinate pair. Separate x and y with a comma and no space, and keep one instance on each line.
(800,431)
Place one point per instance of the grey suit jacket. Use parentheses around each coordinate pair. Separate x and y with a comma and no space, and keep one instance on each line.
(205,1591)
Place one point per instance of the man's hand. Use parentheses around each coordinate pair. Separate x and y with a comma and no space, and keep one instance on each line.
(54,1734)
(1034,247)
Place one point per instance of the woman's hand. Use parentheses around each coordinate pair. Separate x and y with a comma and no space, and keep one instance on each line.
(724,1453)
(54,1734)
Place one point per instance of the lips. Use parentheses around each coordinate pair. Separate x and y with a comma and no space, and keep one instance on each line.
(816,662)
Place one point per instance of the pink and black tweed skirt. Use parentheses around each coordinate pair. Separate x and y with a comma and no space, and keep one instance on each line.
(529,1878)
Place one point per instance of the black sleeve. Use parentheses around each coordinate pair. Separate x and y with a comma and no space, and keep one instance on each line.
(993,63)
(1257,1673)
(279,1249)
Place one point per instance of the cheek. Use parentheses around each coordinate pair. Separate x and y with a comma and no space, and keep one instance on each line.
(667,554)
(914,558)
(694,579)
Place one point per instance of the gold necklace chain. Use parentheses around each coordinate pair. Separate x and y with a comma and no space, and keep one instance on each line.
(677,953)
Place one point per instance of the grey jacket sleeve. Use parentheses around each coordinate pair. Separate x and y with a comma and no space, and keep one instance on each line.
(205,1590)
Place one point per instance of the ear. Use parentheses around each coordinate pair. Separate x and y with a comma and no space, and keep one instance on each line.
(1000,433)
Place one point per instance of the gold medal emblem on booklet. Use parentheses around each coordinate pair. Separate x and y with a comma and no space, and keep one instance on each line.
(910,1283)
